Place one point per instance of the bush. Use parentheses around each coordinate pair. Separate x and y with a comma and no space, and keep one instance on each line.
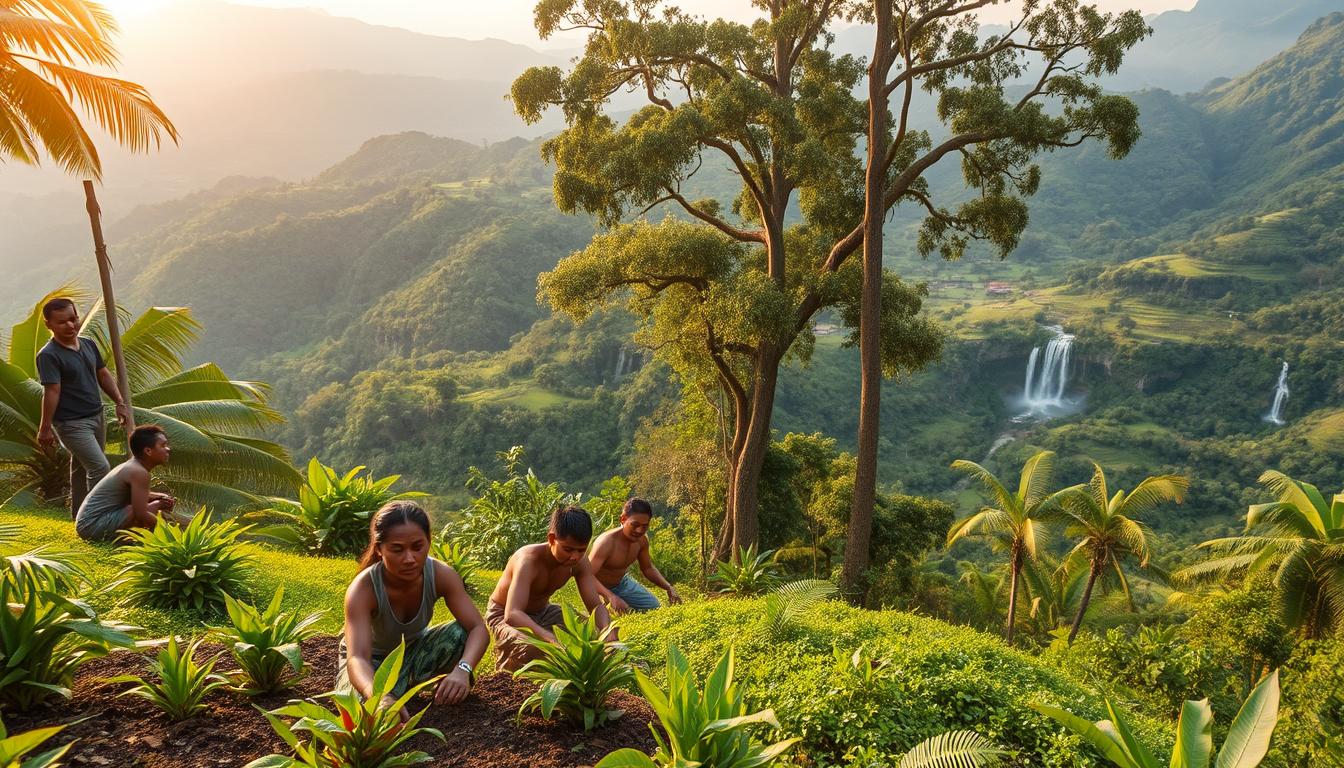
(932,677)
(181,685)
(752,574)
(46,634)
(332,514)
(506,514)
(455,555)
(192,567)
(359,733)
(577,673)
(708,727)
(265,644)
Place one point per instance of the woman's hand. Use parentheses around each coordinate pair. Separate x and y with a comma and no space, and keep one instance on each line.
(454,688)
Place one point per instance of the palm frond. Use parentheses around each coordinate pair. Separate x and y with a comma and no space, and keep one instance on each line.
(786,604)
(1152,492)
(154,344)
(1034,485)
(122,108)
(50,118)
(54,39)
(221,415)
(954,749)
(1000,494)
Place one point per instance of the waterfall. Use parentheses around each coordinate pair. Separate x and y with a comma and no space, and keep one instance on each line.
(1275,415)
(620,365)
(1044,389)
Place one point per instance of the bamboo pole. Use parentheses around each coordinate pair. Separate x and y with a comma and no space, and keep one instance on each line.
(109,303)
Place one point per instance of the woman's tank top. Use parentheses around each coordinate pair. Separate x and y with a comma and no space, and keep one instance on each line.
(388,630)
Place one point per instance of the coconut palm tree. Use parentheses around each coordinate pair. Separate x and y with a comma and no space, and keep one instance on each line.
(1017,524)
(42,45)
(1299,538)
(1108,529)
(216,425)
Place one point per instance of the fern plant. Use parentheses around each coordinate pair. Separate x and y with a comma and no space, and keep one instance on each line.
(457,557)
(14,750)
(192,567)
(332,514)
(953,749)
(752,574)
(360,733)
(786,604)
(706,727)
(178,684)
(577,673)
(265,644)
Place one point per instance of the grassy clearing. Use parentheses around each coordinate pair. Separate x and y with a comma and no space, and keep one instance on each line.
(523,394)
(1327,433)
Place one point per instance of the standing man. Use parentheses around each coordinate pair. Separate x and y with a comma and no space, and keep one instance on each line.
(614,553)
(71,370)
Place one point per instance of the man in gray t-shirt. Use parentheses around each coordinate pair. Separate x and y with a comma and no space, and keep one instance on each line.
(72,371)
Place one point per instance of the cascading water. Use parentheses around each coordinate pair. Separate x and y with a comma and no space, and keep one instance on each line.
(1275,415)
(1043,393)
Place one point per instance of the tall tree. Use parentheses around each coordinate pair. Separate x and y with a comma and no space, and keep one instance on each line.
(1299,539)
(1059,49)
(1016,524)
(43,44)
(1108,529)
(727,292)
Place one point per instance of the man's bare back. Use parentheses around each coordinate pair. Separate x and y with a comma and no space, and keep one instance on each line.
(616,552)
(545,577)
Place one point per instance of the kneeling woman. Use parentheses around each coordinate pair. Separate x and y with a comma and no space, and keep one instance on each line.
(392,600)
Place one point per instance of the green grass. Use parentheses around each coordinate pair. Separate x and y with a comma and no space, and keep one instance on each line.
(1326,434)
(524,394)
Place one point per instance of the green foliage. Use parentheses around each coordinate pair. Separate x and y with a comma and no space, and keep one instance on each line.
(915,678)
(47,632)
(332,514)
(788,602)
(191,567)
(265,644)
(216,425)
(751,574)
(360,733)
(954,749)
(1311,719)
(508,513)
(179,684)
(1245,746)
(703,727)
(456,555)
(576,674)
(14,750)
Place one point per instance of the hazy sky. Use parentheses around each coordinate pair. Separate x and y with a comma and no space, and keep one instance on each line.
(512,19)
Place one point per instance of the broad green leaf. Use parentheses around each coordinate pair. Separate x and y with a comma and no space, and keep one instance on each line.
(1249,735)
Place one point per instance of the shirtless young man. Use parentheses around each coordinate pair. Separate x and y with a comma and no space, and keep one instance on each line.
(522,598)
(122,499)
(612,555)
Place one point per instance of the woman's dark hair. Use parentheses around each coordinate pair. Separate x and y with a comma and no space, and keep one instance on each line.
(144,437)
(392,514)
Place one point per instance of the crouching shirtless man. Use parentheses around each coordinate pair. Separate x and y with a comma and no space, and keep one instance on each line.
(616,550)
(522,598)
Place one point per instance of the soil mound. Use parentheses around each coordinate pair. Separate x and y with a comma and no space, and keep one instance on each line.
(482,732)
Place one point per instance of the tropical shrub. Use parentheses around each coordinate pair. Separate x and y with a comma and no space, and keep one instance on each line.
(265,644)
(361,733)
(954,749)
(508,513)
(786,604)
(1245,746)
(704,727)
(47,633)
(14,749)
(216,424)
(178,684)
(752,574)
(577,673)
(191,567)
(332,514)
(915,678)
(457,557)
(1311,714)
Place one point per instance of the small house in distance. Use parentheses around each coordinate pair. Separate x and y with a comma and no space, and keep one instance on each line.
(998,288)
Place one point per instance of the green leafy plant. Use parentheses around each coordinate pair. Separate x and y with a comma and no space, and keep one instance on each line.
(577,673)
(861,663)
(752,574)
(359,734)
(456,555)
(333,510)
(191,567)
(14,749)
(265,644)
(1245,746)
(786,604)
(178,685)
(953,749)
(707,728)
(507,513)
(45,635)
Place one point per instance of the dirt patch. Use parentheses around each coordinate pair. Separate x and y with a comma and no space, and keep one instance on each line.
(126,731)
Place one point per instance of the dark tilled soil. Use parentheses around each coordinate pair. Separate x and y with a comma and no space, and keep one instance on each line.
(127,731)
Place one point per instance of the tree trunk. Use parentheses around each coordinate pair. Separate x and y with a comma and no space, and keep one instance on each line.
(741,522)
(870,317)
(1092,574)
(1015,569)
(109,304)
